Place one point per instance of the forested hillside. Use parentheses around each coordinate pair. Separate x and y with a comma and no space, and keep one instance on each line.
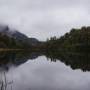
(75,40)
(7,42)
(13,39)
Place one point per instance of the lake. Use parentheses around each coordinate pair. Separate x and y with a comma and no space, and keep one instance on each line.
(40,72)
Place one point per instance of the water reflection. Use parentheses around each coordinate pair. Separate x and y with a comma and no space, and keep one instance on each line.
(45,71)
(8,59)
(74,60)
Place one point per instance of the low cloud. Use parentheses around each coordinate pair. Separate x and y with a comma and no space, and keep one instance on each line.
(44,18)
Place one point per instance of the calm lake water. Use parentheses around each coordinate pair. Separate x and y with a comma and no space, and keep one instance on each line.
(40,73)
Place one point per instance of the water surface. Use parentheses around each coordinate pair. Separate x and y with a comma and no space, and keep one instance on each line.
(40,73)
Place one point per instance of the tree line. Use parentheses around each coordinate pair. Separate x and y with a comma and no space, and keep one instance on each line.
(12,43)
(75,40)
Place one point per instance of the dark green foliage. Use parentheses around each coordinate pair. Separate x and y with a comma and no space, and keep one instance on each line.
(12,43)
(75,40)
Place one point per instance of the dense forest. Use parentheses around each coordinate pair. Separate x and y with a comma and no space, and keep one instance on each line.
(76,40)
(7,42)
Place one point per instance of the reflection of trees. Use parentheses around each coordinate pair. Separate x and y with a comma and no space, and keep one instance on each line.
(2,54)
(75,60)
(16,58)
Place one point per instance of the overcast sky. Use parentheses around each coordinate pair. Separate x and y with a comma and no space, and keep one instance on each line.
(45,18)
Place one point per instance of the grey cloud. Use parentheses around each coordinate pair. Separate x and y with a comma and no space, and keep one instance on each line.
(44,18)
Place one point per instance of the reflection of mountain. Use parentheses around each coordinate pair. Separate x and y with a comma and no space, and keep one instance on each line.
(75,60)
(15,58)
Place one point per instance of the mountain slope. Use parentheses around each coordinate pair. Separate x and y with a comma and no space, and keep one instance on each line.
(9,38)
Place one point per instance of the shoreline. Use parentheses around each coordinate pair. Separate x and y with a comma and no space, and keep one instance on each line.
(2,49)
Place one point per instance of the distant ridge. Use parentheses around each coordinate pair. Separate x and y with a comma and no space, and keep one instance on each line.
(17,36)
